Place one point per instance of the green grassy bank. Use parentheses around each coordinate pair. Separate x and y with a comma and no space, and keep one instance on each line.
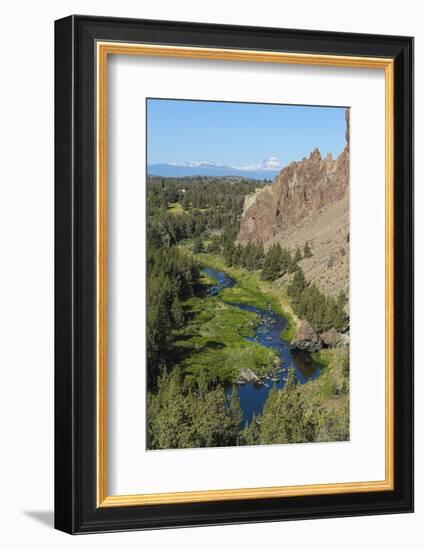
(251,290)
(211,347)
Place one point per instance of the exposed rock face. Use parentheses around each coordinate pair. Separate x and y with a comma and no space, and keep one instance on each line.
(306,338)
(247,375)
(308,201)
(334,339)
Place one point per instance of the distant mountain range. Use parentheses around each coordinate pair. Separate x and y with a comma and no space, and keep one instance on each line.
(267,169)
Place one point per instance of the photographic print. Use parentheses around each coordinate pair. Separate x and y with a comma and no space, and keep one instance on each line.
(247,274)
(213,263)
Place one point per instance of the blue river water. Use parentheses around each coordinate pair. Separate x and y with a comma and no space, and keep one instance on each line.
(267,333)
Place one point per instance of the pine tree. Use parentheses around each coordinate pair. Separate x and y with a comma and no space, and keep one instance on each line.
(228,253)
(255,257)
(186,202)
(340,317)
(297,286)
(330,314)
(236,414)
(285,417)
(286,260)
(296,258)
(243,256)
(259,257)
(236,258)
(272,264)
(168,415)
(177,312)
(249,256)
(318,320)
(297,255)
(307,252)
(250,434)
(198,246)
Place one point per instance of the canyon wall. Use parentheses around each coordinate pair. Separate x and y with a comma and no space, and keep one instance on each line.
(308,201)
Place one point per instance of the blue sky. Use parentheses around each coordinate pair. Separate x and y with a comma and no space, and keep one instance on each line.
(240,133)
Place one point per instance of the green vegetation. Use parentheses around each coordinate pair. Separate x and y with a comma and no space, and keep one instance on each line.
(179,417)
(272,265)
(212,346)
(288,333)
(196,343)
(251,290)
(198,246)
(297,255)
(251,256)
(322,312)
(170,280)
(181,208)
(332,387)
(175,208)
(315,411)
(324,356)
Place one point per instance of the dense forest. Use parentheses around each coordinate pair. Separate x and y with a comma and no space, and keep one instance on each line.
(196,344)
(181,209)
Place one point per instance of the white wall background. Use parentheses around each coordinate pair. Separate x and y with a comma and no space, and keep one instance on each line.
(26,274)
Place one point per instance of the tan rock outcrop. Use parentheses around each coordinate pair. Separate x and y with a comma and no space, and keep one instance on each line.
(306,338)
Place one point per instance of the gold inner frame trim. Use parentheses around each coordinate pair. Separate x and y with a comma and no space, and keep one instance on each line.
(104,49)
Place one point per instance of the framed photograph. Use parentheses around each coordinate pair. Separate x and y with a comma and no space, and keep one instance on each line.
(234,274)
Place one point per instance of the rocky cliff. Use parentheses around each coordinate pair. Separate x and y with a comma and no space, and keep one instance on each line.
(308,201)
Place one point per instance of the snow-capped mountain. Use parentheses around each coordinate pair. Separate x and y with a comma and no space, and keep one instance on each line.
(267,169)
(195,164)
(272,163)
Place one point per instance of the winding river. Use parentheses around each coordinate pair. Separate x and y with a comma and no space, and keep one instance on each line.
(267,333)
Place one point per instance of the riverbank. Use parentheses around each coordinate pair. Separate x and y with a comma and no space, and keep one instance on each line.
(253,390)
(235,324)
(251,290)
(212,344)
(233,327)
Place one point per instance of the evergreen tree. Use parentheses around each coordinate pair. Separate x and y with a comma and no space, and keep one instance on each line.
(159,326)
(177,313)
(297,255)
(250,434)
(212,422)
(247,256)
(237,254)
(236,414)
(319,316)
(340,317)
(271,268)
(286,260)
(293,267)
(258,256)
(296,258)
(228,253)
(169,422)
(198,246)
(296,287)
(285,417)
(180,418)
(307,252)
(214,247)
(186,201)
(329,314)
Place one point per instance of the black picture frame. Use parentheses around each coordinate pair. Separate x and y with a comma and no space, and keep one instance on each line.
(76,510)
